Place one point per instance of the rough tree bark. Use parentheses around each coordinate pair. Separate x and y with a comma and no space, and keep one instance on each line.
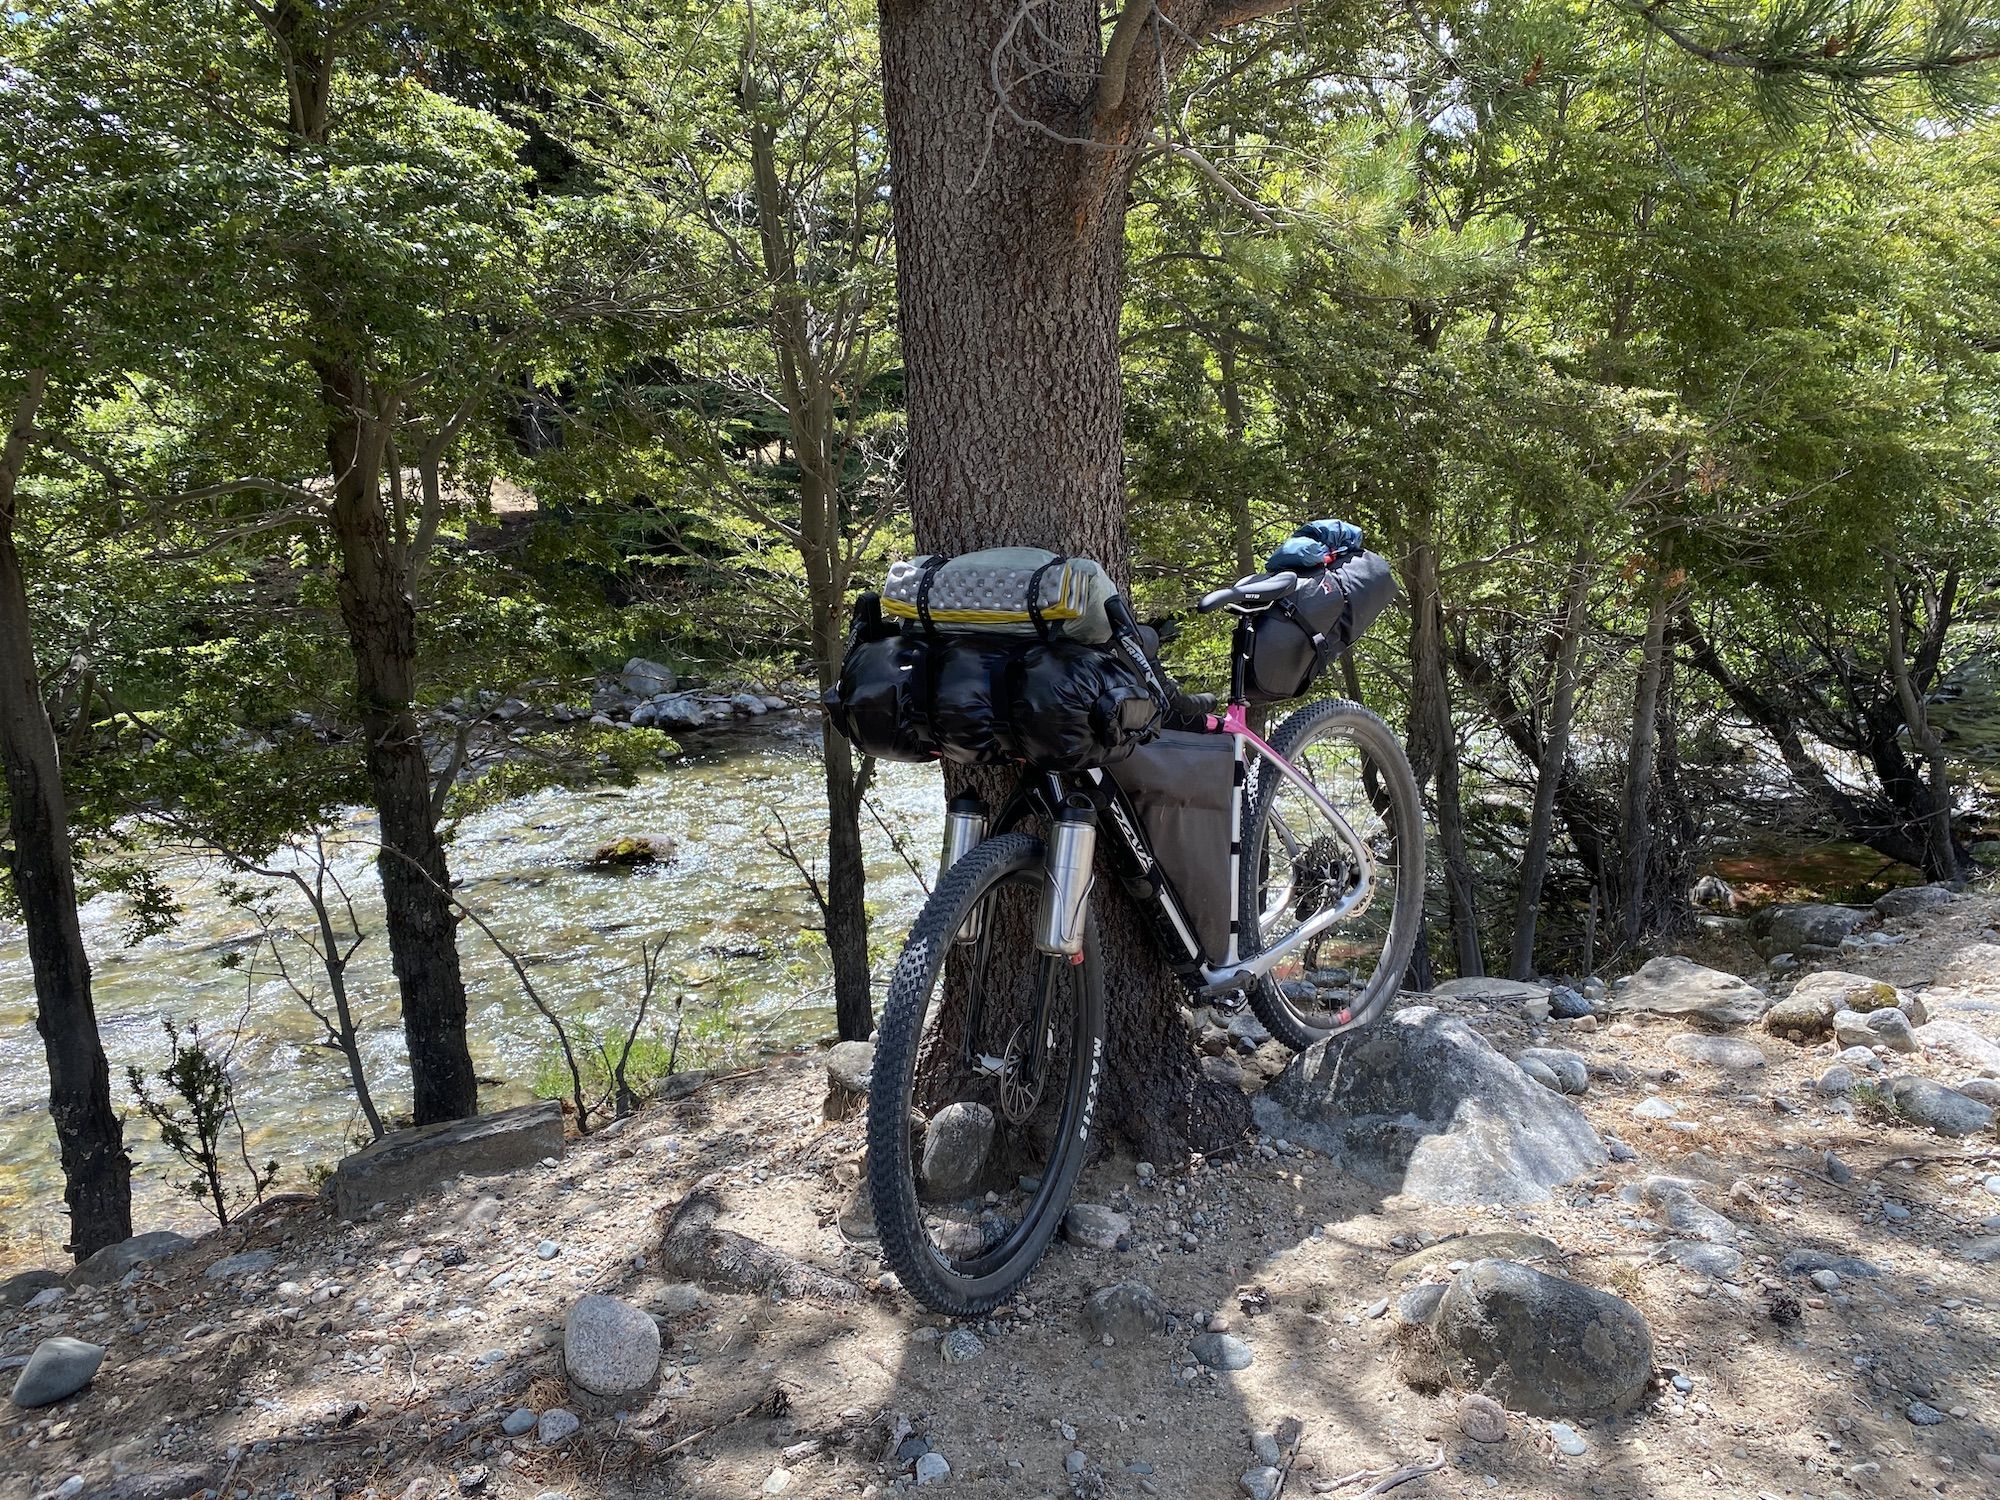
(1549,767)
(1009,270)
(1940,854)
(97,1174)
(1641,749)
(1433,745)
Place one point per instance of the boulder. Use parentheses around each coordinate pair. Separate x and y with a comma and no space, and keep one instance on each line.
(1876,1028)
(646,679)
(1803,1017)
(1705,1050)
(1924,1101)
(1787,929)
(955,1147)
(1976,964)
(1835,990)
(850,1066)
(243,1263)
(1909,900)
(406,1162)
(1541,1344)
(1676,989)
(17,1289)
(610,1348)
(1127,1312)
(1571,1072)
(113,1261)
(59,1367)
(1422,1104)
(1956,1039)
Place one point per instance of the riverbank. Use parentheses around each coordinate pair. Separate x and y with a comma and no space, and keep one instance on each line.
(398,1356)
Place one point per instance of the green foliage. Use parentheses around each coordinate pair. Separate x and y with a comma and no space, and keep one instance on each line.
(192,1102)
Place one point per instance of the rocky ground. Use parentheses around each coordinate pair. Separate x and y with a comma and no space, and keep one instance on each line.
(1736,1263)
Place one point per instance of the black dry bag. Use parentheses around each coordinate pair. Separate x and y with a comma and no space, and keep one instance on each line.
(1298,636)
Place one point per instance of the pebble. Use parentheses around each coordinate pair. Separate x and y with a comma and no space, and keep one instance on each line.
(1482,1419)
(932,1469)
(1895,1213)
(558,1425)
(1265,1446)
(518,1422)
(1222,1351)
(1826,1280)
(1261,1483)
(961,1345)
(778,1481)
(547,1250)
(1654,1108)
(1567,1439)
(1073,1462)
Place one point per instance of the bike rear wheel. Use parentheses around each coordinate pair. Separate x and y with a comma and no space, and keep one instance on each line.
(1294,865)
(958,1029)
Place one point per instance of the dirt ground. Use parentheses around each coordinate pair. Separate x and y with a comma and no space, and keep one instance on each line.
(378,1358)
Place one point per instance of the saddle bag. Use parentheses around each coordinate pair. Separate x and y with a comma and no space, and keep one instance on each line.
(1182,785)
(1297,637)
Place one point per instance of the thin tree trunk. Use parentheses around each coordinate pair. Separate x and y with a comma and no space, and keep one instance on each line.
(1009,266)
(1641,749)
(97,1174)
(1549,769)
(1940,857)
(1433,745)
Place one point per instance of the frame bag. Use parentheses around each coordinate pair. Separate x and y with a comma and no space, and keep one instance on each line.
(1183,786)
(1296,637)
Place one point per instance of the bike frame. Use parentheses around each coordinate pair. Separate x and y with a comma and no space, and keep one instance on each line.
(1043,793)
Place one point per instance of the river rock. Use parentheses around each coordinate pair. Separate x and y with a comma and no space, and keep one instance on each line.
(1787,929)
(113,1261)
(646,679)
(1945,1110)
(1909,900)
(1128,1311)
(1876,1028)
(1540,1344)
(1977,965)
(1724,1262)
(1571,1072)
(1222,1351)
(1422,1104)
(1956,1039)
(1710,1051)
(1261,1483)
(1837,1082)
(17,1289)
(1804,1018)
(406,1162)
(850,1066)
(956,1144)
(556,1426)
(1985,1090)
(1493,991)
(610,1348)
(1566,1004)
(1499,1244)
(1675,989)
(1540,1073)
(59,1367)
(243,1263)
(1686,1214)
(1095,1227)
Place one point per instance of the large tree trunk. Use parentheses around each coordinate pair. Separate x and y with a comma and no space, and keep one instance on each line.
(1009,264)
(381,620)
(97,1174)
(1549,769)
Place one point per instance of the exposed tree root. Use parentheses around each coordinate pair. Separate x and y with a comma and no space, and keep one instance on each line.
(693,1246)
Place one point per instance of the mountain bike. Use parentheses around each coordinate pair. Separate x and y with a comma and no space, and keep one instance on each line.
(996,1009)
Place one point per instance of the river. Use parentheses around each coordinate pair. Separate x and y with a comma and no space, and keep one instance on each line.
(735,916)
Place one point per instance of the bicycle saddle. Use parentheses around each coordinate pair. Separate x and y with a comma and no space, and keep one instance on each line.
(1257,590)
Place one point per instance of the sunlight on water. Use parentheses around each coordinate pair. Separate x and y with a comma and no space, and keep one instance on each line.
(733,911)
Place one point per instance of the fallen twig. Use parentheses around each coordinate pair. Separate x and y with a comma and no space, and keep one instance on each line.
(771,1405)
(1385,1482)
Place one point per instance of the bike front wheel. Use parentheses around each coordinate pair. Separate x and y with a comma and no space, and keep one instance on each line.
(1296,865)
(987,1064)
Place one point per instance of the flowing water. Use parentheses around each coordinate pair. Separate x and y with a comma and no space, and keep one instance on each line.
(734,913)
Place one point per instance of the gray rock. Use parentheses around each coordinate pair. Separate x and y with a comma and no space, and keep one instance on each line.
(1540,1073)
(1787,929)
(1566,1004)
(1956,1039)
(1861,1059)
(113,1261)
(557,1425)
(1571,1072)
(1836,1082)
(1985,1090)
(518,1422)
(1267,1448)
(1876,1028)
(1686,1214)
(960,1346)
(1982,1251)
(1975,965)
(1261,1483)
(955,1148)
(160,1484)
(1420,1304)
(1221,1351)
(1493,991)
(1826,1279)
(1654,1108)
(1540,1344)
(1931,1104)
(1567,1439)
(243,1263)
(1497,1244)
(1800,1015)
(1424,1105)
(1803,1262)
(59,1367)
(610,1348)
(850,1066)
(1095,1227)
(646,679)
(932,1468)
(1907,901)
(1705,1259)
(1128,1311)
(1708,1051)
(406,1162)
(16,1290)
(1675,989)
(1923,1414)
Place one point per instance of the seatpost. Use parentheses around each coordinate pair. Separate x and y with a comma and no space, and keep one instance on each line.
(1239,659)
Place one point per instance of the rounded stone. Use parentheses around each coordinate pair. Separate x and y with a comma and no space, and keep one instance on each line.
(1541,1344)
(955,1147)
(1222,1351)
(610,1348)
(59,1367)
(1128,1311)
(558,1425)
